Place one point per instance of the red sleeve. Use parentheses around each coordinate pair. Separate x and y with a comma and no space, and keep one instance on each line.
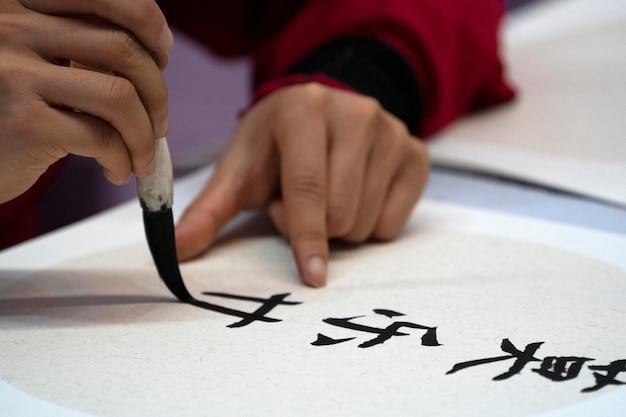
(451,45)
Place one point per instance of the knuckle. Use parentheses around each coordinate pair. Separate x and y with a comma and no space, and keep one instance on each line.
(125,45)
(299,101)
(416,164)
(306,187)
(395,131)
(340,219)
(357,237)
(104,137)
(367,108)
(311,90)
(396,144)
(119,93)
(15,26)
(308,237)
(399,129)
(420,153)
(359,109)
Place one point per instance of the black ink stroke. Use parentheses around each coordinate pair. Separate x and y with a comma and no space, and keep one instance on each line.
(267,305)
(612,370)
(561,368)
(428,339)
(522,358)
(323,340)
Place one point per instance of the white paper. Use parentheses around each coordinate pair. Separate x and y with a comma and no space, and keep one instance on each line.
(566,127)
(94,331)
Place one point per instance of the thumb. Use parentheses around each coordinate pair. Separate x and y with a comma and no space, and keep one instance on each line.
(216,204)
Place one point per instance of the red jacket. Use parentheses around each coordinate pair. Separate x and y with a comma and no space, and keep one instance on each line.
(448,48)
(450,45)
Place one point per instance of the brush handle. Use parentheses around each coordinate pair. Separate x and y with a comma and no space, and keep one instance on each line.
(156,192)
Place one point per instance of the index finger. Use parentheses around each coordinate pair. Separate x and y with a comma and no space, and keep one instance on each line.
(143,18)
(303,146)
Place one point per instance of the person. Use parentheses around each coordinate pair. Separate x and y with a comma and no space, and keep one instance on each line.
(328,145)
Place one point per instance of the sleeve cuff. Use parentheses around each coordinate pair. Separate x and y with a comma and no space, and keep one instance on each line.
(363,65)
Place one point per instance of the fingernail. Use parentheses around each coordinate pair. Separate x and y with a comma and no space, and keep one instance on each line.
(151,167)
(162,129)
(166,40)
(316,269)
(108,174)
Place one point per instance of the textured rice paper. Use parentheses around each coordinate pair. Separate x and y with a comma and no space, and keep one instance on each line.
(566,128)
(98,334)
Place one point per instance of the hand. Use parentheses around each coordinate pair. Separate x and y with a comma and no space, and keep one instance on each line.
(326,163)
(69,84)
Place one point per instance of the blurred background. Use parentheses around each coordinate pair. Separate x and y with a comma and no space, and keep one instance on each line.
(206,93)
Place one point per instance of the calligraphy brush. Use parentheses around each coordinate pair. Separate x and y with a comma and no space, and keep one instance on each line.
(156,196)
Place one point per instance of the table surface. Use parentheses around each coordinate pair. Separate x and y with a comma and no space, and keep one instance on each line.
(508,196)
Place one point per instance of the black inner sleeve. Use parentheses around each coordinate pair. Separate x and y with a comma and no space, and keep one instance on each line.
(372,68)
